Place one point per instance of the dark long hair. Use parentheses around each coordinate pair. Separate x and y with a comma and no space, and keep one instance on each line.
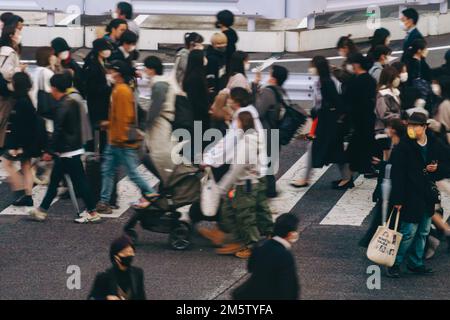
(195,70)
(237,63)
(322,66)
(379,38)
(7,32)
(347,42)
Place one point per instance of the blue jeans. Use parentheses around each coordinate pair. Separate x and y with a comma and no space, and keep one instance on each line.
(113,158)
(413,242)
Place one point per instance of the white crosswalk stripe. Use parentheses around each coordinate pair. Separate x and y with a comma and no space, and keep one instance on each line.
(354,206)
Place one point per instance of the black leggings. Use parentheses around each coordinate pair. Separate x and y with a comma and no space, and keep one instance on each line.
(74,168)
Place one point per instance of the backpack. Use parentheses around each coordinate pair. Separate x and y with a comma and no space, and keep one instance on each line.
(291,121)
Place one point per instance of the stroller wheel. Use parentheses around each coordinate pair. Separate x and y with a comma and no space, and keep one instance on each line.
(180,236)
(132,234)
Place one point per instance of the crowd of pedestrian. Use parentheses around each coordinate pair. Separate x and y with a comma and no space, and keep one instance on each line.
(368,113)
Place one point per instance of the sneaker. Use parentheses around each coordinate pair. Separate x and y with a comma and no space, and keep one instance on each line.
(24,201)
(244,254)
(393,272)
(89,218)
(433,244)
(103,208)
(231,248)
(422,270)
(216,236)
(37,215)
(83,214)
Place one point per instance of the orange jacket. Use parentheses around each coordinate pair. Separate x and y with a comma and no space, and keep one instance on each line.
(121,116)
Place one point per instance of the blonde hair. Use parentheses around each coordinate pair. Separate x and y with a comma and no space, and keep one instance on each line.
(219,37)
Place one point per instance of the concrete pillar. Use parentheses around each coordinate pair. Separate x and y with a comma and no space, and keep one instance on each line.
(251,24)
(311,19)
(443,9)
(50,19)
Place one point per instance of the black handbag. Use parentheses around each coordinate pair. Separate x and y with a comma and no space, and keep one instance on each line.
(46,105)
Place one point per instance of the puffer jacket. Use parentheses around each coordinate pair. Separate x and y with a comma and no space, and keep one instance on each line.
(388,107)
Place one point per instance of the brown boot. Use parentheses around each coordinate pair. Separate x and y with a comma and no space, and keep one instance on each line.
(231,248)
(216,236)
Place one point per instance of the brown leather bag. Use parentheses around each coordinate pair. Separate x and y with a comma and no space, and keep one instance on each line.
(5,110)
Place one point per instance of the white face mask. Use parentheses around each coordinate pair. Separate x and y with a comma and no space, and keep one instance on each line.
(106,54)
(420,103)
(53,60)
(387,42)
(313,71)
(247,66)
(293,237)
(115,15)
(132,48)
(425,53)
(350,68)
(436,89)
(396,82)
(17,38)
(403,26)
(110,79)
(64,55)
(404,76)
(342,54)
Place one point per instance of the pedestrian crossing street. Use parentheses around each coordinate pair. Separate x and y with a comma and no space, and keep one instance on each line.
(350,210)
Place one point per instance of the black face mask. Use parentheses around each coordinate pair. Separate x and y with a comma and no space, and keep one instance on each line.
(126,261)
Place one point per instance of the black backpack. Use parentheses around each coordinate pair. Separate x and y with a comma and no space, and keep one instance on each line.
(292,119)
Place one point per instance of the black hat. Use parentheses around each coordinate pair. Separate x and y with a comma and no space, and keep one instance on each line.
(118,245)
(418,118)
(121,67)
(101,44)
(60,45)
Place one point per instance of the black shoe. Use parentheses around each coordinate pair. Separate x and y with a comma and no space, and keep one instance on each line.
(348,185)
(393,272)
(295,185)
(422,270)
(24,201)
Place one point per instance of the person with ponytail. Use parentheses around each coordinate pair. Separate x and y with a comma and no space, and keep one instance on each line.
(192,41)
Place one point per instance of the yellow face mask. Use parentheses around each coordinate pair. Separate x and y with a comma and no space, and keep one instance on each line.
(412,133)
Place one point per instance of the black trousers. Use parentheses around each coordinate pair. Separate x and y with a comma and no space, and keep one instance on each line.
(74,168)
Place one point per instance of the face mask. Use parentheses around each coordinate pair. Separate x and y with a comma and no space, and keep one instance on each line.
(411,133)
(420,103)
(350,68)
(126,261)
(403,26)
(396,83)
(436,89)
(313,71)
(425,53)
(106,54)
(17,38)
(110,79)
(247,66)
(115,15)
(404,76)
(221,49)
(387,42)
(53,61)
(132,48)
(64,55)
(293,238)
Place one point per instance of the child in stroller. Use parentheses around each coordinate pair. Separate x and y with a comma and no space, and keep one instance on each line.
(181,189)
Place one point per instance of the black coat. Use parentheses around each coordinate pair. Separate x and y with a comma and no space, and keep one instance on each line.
(216,62)
(360,99)
(417,69)
(67,126)
(78,79)
(327,148)
(98,92)
(105,284)
(411,185)
(414,35)
(273,274)
(21,130)
(197,93)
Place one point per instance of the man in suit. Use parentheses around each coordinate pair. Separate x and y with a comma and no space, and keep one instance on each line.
(408,21)
(272,266)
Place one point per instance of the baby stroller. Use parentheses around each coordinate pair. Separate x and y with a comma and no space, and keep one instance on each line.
(163,216)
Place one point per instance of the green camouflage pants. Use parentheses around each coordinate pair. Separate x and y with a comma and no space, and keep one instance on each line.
(247,215)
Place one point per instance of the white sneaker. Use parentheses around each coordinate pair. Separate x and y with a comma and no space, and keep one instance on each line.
(89,218)
(83,214)
(37,215)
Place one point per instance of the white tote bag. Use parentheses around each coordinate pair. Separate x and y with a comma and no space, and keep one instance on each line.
(210,196)
(384,245)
